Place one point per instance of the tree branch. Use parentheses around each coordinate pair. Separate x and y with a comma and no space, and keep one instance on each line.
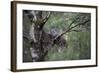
(71,23)
(45,20)
(47,17)
(69,29)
